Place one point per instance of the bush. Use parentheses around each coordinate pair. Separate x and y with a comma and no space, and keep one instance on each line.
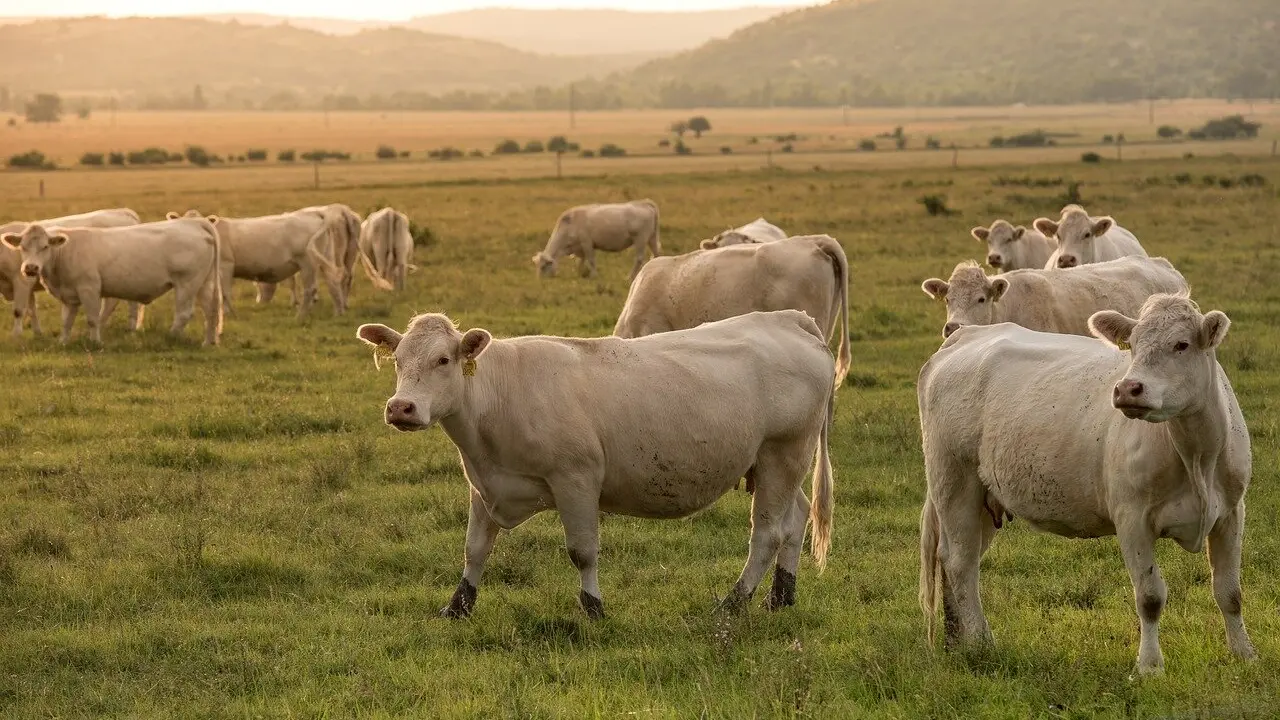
(197,155)
(936,205)
(1182,178)
(682,149)
(321,155)
(867,145)
(506,147)
(241,158)
(1107,139)
(560,144)
(900,141)
(664,143)
(286,155)
(1091,157)
(932,143)
(790,137)
(91,158)
(611,150)
(386,152)
(788,148)
(726,150)
(1228,128)
(115,158)
(150,156)
(1253,180)
(256,155)
(1197,135)
(476,153)
(753,140)
(1168,132)
(30,159)
(175,157)
(588,153)
(534,146)
(445,153)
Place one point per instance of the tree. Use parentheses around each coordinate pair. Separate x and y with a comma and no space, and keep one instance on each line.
(680,128)
(47,108)
(699,125)
(83,112)
(197,99)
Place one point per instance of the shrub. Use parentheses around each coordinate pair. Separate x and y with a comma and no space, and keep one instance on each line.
(726,150)
(1196,135)
(1182,178)
(788,148)
(386,152)
(256,155)
(534,146)
(664,143)
(91,158)
(1228,128)
(611,150)
(150,156)
(682,149)
(936,205)
(115,158)
(932,143)
(790,137)
(588,153)
(753,140)
(1120,138)
(1168,132)
(867,145)
(478,153)
(445,153)
(286,155)
(1091,157)
(900,141)
(996,142)
(30,159)
(421,234)
(197,155)
(506,147)
(175,157)
(404,153)
(1108,139)
(241,158)
(1253,180)
(560,143)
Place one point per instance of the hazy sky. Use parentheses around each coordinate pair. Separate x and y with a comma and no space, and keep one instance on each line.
(367,9)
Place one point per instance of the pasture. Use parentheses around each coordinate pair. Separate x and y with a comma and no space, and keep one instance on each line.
(233,532)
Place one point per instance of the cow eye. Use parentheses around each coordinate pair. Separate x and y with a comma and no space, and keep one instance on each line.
(443,361)
(1182,346)
(981,300)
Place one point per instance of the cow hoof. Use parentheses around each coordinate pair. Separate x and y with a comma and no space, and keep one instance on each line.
(593,606)
(735,601)
(462,602)
(783,593)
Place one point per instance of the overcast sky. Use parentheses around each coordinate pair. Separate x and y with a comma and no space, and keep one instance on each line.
(363,10)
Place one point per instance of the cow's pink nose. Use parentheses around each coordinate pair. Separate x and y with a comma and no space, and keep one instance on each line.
(1067,261)
(1127,389)
(399,410)
(950,328)
(994,260)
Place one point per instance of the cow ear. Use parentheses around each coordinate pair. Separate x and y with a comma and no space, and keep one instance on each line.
(1018,232)
(1213,329)
(213,219)
(1101,226)
(1112,326)
(474,342)
(935,288)
(537,258)
(1046,226)
(12,240)
(707,245)
(998,288)
(171,215)
(980,234)
(383,339)
(56,240)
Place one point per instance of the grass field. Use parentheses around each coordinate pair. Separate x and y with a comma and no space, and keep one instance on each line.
(235,533)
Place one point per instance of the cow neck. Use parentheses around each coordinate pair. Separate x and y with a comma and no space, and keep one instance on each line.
(1199,436)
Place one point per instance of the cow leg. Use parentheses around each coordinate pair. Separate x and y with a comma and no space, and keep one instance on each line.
(482,532)
(108,308)
(68,319)
(776,475)
(1138,545)
(92,316)
(966,529)
(35,318)
(308,275)
(226,274)
(639,263)
(211,308)
(184,306)
(17,321)
(783,592)
(587,263)
(1224,559)
(137,312)
(265,291)
(580,516)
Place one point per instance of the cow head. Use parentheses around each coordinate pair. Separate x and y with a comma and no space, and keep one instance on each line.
(434,362)
(970,296)
(1173,363)
(36,245)
(545,263)
(1000,238)
(725,239)
(191,214)
(1075,232)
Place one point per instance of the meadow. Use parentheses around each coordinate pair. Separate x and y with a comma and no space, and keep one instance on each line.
(234,532)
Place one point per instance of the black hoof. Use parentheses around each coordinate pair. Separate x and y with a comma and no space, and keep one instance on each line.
(593,606)
(783,593)
(462,602)
(735,601)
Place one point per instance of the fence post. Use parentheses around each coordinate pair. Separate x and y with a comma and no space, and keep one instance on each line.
(42,184)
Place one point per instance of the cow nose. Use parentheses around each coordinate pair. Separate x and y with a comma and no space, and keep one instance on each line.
(399,410)
(950,328)
(30,270)
(1127,389)
(1067,261)
(994,260)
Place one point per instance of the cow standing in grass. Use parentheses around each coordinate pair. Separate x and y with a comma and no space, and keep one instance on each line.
(386,248)
(756,231)
(1083,239)
(655,427)
(613,227)
(1014,248)
(1139,437)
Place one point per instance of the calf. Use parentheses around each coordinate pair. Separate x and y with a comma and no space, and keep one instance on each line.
(585,426)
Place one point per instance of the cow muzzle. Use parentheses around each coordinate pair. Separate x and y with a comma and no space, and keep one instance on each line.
(995,261)
(403,415)
(30,270)
(950,328)
(1068,261)
(1130,398)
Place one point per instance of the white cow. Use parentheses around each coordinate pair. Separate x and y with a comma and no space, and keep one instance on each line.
(808,272)
(21,290)
(344,246)
(1058,301)
(1081,439)
(1083,239)
(655,427)
(81,266)
(386,248)
(1014,248)
(273,248)
(756,231)
(611,227)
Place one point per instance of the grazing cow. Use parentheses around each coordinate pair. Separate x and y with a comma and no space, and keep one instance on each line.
(1014,248)
(1081,439)
(386,248)
(1058,301)
(808,272)
(273,248)
(21,290)
(1083,239)
(756,231)
(585,426)
(81,266)
(612,227)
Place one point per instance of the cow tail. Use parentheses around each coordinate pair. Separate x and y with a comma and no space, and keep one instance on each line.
(835,252)
(322,259)
(930,539)
(215,278)
(655,241)
(820,511)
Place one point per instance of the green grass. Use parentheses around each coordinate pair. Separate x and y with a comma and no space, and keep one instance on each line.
(234,532)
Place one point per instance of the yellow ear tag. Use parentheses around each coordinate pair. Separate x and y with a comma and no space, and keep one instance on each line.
(1123,344)
(380,353)
(469,367)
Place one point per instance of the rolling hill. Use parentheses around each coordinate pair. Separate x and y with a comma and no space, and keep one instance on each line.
(888,52)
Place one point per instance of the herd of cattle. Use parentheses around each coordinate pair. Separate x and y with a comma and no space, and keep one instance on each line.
(1077,388)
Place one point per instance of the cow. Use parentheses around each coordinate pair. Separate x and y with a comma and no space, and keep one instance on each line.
(1014,248)
(585,426)
(21,290)
(1058,301)
(386,248)
(807,272)
(274,248)
(344,242)
(139,263)
(756,231)
(1139,437)
(1083,239)
(612,227)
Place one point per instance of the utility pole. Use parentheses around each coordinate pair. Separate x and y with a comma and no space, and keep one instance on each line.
(573,92)
(1151,111)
